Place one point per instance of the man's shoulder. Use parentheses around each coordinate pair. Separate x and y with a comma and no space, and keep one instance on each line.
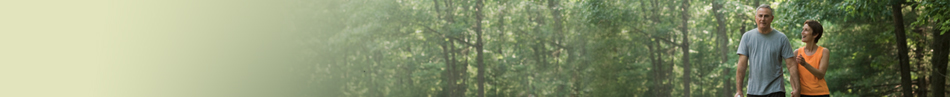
(754,30)
(781,35)
(778,32)
(750,32)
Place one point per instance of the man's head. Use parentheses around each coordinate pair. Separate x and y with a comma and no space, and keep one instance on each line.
(763,16)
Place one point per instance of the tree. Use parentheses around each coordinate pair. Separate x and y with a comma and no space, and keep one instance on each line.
(479,59)
(684,29)
(941,43)
(902,48)
(605,48)
(720,30)
(932,13)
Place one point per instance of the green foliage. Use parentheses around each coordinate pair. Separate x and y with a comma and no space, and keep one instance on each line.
(934,12)
(380,48)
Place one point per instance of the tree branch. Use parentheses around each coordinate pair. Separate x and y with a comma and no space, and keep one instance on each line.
(657,38)
(559,45)
(668,41)
(449,37)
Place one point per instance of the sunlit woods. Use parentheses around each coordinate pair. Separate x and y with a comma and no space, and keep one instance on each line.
(603,48)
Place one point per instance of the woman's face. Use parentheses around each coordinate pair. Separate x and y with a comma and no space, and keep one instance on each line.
(807,36)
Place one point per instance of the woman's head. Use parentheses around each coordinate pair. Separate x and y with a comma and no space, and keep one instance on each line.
(811,31)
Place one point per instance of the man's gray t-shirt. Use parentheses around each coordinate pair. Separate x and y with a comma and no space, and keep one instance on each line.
(766,53)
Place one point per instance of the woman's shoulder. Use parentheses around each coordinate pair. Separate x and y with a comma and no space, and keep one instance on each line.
(825,50)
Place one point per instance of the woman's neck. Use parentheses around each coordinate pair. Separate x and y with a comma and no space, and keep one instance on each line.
(811,47)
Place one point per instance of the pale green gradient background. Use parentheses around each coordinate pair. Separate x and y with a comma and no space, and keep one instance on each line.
(148,48)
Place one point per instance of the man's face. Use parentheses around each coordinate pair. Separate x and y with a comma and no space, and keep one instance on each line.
(763,18)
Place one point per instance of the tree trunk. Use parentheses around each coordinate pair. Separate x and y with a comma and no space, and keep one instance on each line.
(655,71)
(539,40)
(461,73)
(501,39)
(939,62)
(447,75)
(556,12)
(666,71)
(741,29)
(902,50)
(721,32)
(479,58)
(685,48)
(346,74)
(377,62)
(726,83)
(723,40)
(559,35)
(669,68)
(409,68)
(453,70)
(919,55)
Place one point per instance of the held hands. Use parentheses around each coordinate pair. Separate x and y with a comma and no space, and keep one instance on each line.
(795,94)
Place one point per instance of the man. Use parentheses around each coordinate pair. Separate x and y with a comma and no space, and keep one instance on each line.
(763,49)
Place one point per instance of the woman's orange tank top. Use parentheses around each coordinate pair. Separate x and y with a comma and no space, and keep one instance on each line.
(811,85)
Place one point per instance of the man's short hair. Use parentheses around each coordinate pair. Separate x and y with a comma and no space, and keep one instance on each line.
(766,6)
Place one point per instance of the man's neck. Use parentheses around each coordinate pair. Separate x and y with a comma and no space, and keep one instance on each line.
(766,30)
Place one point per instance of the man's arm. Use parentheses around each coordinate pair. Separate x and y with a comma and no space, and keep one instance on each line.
(740,73)
(793,71)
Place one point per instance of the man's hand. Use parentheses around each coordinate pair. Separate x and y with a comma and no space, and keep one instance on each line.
(738,94)
(795,94)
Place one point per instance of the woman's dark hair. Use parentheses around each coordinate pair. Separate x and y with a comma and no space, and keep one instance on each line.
(815,28)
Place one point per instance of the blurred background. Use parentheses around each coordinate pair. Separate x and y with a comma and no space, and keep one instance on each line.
(451,48)
(608,48)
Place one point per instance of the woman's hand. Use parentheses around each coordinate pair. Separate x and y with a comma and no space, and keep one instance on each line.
(795,94)
(801,60)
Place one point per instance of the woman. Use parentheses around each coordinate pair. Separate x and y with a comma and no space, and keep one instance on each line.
(813,62)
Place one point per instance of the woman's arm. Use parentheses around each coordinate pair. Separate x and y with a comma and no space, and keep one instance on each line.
(822,67)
